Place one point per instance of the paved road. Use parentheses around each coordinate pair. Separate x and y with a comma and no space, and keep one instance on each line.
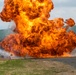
(67,60)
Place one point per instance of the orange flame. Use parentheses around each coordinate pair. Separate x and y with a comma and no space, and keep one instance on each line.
(35,35)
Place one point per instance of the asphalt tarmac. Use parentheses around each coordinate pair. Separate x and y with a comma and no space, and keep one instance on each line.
(66,60)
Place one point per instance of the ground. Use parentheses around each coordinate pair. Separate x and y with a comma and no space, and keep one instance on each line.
(52,66)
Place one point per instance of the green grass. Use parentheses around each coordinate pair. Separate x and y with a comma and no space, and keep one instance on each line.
(30,67)
(22,67)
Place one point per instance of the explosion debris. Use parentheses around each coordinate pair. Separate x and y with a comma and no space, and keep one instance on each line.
(35,35)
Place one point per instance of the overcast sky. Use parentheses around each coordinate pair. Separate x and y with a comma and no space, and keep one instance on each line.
(62,8)
(64,3)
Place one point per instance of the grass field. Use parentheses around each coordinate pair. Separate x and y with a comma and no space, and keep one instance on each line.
(34,67)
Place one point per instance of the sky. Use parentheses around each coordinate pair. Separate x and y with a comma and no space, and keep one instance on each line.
(62,8)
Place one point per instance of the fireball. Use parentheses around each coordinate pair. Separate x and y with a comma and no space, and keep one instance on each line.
(35,35)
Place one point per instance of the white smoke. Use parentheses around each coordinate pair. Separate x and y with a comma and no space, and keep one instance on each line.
(73,53)
(6,55)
